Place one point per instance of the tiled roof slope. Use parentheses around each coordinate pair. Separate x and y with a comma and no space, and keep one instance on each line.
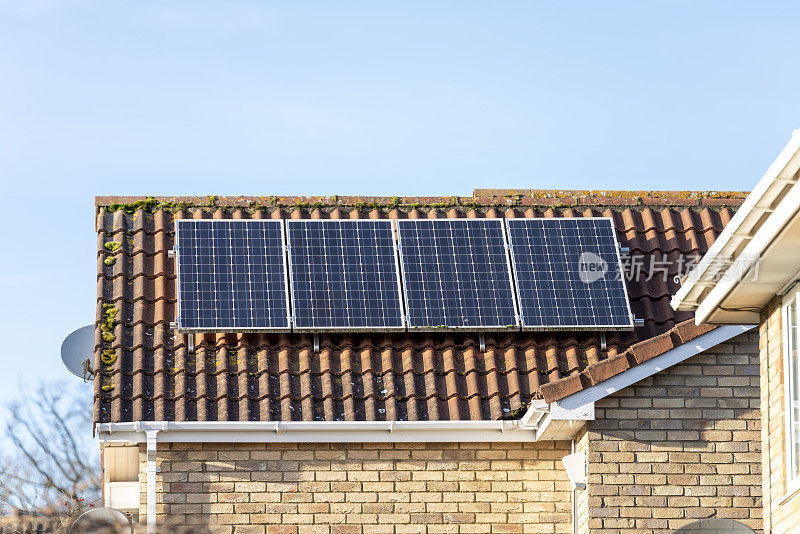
(148,374)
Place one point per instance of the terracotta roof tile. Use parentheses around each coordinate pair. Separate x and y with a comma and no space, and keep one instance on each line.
(376,376)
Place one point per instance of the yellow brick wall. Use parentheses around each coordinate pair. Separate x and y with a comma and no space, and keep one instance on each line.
(781,511)
(366,488)
(582,495)
(682,445)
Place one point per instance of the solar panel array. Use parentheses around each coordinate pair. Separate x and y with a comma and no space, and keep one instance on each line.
(344,275)
(568,273)
(456,274)
(428,274)
(231,275)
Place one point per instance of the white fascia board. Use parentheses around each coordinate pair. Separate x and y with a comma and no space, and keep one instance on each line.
(655,365)
(325,436)
(584,412)
(319,431)
(544,425)
(765,235)
(684,298)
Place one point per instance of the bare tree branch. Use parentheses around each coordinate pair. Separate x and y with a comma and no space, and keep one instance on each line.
(52,464)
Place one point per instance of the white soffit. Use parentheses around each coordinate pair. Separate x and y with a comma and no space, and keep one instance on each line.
(766,226)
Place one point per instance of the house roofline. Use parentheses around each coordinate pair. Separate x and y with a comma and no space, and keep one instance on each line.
(541,422)
(500,198)
(658,363)
(639,353)
(325,431)
(751,230)
(535,424)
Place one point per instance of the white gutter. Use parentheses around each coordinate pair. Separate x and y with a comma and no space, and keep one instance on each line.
(328,431)
(743,226)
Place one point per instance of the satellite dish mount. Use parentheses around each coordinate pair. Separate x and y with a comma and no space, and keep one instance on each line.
(77,350)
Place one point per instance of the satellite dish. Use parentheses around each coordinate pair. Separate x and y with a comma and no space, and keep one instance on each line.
(102,521)
(714,526)
(77,352)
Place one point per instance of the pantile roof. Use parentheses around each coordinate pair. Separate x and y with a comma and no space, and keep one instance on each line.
(148,374)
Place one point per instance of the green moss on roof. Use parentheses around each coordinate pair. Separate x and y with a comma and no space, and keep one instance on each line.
(483,198)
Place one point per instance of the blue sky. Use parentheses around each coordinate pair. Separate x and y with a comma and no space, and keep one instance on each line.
(378,98)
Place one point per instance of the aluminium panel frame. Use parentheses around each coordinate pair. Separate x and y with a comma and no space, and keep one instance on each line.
(445,328)
(571,328)
(335,329)
(277,329)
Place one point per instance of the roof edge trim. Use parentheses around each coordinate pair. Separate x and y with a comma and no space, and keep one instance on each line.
(746,223)
(672,357)
(531,198)
(321,431)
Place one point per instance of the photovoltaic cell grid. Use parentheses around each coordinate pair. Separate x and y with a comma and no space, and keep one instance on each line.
(568,273)
(344,275)
(456,274)
(231,275)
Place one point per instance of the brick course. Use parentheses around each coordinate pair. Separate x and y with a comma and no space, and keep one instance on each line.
(424,487)
(682,445)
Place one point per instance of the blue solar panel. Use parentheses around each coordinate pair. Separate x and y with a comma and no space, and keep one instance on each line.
(568,274)
(344,275)
(456,274)
(231,275)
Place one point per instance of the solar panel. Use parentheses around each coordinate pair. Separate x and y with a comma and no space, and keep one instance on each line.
(456,274)
(568,274)
(231,275)
(344,275)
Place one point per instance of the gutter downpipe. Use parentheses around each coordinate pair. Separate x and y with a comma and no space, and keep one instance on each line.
(151,431)
(574,495)
(152,437)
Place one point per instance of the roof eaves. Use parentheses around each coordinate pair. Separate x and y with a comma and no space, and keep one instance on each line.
(655,363)
(696,291)
(637,354)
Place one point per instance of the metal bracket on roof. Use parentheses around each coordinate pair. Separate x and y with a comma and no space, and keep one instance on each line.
(482,342)
(637,323)
(624,250)
(603,343)
(190,343)
(171,253)
(88,372)
(316,343)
